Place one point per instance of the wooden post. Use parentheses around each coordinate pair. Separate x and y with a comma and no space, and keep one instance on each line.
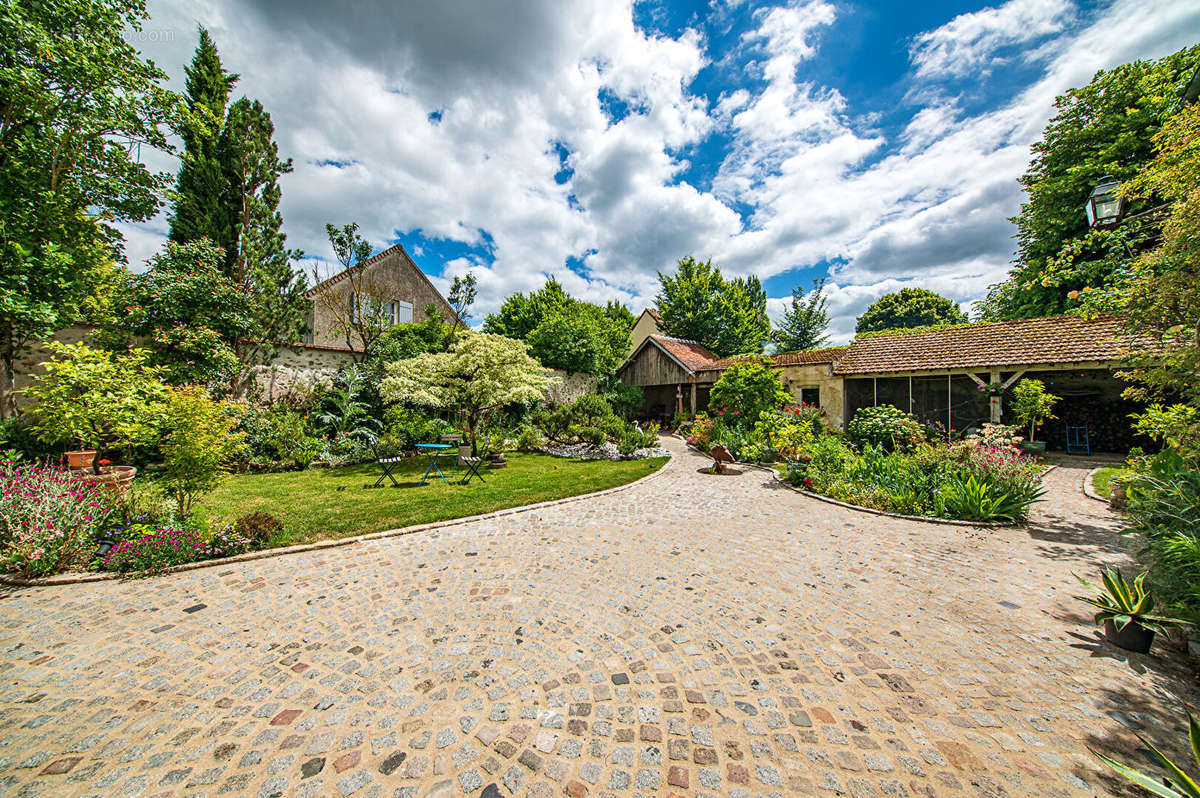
(678,398)
(949,407)
(693,398)
(997,409)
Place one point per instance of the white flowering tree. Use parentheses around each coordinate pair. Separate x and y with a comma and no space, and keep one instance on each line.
(480,374)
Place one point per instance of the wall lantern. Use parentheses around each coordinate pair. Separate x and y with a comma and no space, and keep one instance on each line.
(1104,204)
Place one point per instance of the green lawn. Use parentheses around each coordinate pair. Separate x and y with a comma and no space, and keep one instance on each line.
(321,503)
(1102,479)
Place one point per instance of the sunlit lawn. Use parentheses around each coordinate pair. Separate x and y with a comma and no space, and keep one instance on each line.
(1102,480)
(335,502)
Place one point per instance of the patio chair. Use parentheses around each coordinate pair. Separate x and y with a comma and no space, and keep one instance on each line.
(387,464)
(472,463)
(1078,441)
(452,438)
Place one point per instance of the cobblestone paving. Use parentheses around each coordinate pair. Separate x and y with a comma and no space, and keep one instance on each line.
(694,635)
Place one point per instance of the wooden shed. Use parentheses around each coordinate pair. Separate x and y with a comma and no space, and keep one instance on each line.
(667,369)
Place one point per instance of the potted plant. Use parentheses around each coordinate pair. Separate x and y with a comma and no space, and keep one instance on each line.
(81,458)
(105,400)
(1033,405)
(1125,610)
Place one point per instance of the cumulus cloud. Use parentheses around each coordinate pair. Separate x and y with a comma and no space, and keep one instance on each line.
(969,42)
(492,125)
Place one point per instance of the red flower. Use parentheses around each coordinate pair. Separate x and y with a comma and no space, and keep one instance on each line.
(106,462)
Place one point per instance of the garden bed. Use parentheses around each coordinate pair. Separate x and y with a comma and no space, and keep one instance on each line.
(341,510)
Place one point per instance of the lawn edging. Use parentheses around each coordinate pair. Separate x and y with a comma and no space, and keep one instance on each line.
(261,554)
(1090,491)
(923,518)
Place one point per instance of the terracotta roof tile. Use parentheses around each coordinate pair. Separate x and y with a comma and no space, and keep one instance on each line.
(809,356)
(1023,342)
(692,354)
(654,315)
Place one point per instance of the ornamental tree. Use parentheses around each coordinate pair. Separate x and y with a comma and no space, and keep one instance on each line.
(806,323)
(96,398)
(199,444)
(78,105)
(746,390)
(480,374)
(1032,404)
(908,308)
(188,313)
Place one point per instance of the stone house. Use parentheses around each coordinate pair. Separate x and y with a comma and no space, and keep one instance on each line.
(389,277)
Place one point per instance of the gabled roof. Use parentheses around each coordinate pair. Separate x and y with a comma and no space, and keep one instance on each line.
(1022,342)
(382,255)
(654,315)
(691,356)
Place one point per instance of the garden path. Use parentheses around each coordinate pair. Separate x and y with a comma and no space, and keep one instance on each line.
(693,635)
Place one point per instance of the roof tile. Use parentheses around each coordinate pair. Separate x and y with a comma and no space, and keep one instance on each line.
(1022,342)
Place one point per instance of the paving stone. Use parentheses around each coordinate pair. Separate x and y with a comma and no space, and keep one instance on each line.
(820,650)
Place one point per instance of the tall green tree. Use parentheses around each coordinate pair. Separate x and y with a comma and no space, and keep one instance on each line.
(907,308)
(564,332)
(200,187)
(806,322)
(76,104)
(251,234)
(1104,128)
(728,316)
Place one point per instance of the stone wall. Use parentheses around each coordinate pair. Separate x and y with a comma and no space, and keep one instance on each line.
(569,388)
(819,376)
(33,356)
(292,375)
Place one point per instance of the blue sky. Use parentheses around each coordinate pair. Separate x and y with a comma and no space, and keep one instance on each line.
(873,143)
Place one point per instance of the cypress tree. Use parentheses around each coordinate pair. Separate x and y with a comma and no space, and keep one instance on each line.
(200,187)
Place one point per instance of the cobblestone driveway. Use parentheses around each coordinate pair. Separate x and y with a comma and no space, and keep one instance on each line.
(693,635)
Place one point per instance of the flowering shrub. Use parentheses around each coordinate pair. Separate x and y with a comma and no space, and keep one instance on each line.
(995,435)
(702,432)
(47,517)
(155,551)
(886,426)
(343,448)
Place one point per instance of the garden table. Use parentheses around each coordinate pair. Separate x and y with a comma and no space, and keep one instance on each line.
(432,450)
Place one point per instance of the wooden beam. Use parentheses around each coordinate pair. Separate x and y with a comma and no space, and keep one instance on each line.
(1008,383)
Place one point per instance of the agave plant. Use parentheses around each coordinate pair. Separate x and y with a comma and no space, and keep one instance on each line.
(1124,603)
(1177,784)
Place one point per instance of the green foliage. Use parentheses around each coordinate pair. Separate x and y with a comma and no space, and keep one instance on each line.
(79,103)
(480,374)
(1105,128)
(96,398)
(806,323)
(343,410)
(886,426)
(200,187)
(188,313)
(1032,404)
(278,435)
(564,332)
(259,528)
(729,317)
(1177,425)
(910,307)
(790,431)
(1124,603)
(1177,784)
(1164,505)
(198,447)
(747,389)
(625,400)
(406,426)
(462,296)
(590,419)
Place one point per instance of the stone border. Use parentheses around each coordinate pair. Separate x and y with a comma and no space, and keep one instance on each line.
(262,554)
(923,518)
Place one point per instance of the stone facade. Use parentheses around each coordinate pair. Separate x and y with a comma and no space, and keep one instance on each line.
(569,387)
(817,378)
(392,274)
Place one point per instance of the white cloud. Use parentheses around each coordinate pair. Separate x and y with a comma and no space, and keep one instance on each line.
(355,85)
(969,42)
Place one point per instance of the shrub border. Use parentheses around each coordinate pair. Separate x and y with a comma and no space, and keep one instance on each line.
(923,518)
(72,578)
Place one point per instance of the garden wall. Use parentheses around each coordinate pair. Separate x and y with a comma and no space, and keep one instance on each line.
(31,359)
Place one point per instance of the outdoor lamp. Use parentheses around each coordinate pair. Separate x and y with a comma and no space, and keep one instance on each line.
(1104,204)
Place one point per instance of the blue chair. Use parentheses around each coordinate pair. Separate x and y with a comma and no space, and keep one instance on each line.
(1078,441)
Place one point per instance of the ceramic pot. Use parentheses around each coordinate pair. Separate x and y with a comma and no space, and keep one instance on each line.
(81,458)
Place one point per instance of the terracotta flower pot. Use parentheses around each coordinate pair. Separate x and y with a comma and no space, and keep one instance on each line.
(114,478)
(81,458)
